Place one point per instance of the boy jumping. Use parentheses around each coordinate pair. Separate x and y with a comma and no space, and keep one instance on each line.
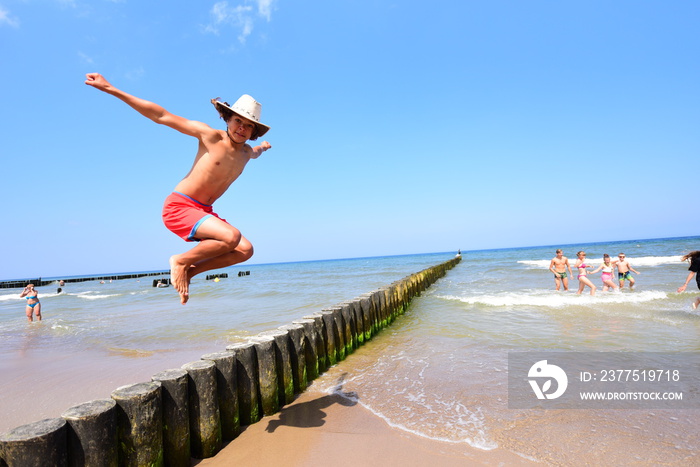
(221,157)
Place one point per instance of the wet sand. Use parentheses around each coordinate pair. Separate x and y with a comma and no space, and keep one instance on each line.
(36,386)
(318,427)
(321,427)
(328,429)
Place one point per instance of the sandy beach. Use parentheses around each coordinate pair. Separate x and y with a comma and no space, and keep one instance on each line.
(329,429)
(326,424)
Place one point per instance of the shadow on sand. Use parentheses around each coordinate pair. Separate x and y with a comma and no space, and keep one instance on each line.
(310,414)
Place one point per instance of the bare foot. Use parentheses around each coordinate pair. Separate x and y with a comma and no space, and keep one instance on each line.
(180,279)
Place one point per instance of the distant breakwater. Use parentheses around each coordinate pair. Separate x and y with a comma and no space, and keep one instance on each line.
(39,282)
(190,412)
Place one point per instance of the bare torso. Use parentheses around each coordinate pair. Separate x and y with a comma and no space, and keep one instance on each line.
(217,165)
(622,266)
(559,264)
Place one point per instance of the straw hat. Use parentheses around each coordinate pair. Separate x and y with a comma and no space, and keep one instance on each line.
(246,107)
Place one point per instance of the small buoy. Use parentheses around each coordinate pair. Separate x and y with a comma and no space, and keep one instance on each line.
(217,279)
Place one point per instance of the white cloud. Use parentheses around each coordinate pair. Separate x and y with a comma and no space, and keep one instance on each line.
(240,17)
(6,18)
(135,75)
(86,58)
(68,3)
(265,8)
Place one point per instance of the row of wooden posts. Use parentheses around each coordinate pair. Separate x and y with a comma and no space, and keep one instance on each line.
(191,411)
(39,282)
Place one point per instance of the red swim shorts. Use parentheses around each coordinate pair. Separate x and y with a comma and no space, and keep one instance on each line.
(182,215)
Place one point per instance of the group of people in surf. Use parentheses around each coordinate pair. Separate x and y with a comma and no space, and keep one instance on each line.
(560,264)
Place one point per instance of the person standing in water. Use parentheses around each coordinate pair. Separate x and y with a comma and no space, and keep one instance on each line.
(607,275)
(33,307)
(582,274)
(623,270)
(558,266)
(694,258)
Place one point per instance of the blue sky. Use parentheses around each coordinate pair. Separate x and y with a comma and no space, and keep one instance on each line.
(398,127)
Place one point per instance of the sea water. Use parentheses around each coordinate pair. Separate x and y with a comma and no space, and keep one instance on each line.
(98,335)
(440,371)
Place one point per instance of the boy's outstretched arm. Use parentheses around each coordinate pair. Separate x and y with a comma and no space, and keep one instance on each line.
(149,109)
(257,150)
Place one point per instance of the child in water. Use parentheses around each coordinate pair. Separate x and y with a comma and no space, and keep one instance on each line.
(607,275)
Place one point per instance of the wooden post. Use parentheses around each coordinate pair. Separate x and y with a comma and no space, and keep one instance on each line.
(92,433)
(298,353)
(330,337)
(227,389)
(139,424)
(176,416)
(313,343)
(267,374)
(320,340)
(39,443)
(283,357)
(205,420)
(247,378)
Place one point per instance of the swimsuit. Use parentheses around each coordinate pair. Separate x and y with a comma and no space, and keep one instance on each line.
(183,215)
(607,273)
(562,275)
(32,305)
(624,275)
(582,266)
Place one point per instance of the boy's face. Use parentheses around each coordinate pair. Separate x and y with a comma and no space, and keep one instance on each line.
(241,129)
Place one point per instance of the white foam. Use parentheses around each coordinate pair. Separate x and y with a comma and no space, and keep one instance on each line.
(87,296)
(556,300)
(643,261)
(479,442)
(414,407)
(15,296)
(9,297)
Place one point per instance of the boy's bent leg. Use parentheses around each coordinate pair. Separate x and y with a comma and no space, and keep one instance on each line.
(218,238)
(243,252)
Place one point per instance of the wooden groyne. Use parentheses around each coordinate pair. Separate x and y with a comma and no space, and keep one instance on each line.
(191,411)
(39,282)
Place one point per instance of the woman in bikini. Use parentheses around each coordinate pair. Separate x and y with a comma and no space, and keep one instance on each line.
(607,274)
(582,279)
(33,304)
